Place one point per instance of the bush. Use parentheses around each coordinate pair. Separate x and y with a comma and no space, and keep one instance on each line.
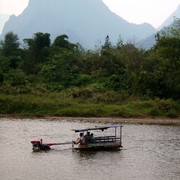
(155,112)
(82,80)
(82,93)
(172,114)
(1,77)
(16,77)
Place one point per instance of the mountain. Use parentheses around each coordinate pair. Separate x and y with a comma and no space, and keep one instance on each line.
(149,42)
(169,20)
(3,19)
(84,21)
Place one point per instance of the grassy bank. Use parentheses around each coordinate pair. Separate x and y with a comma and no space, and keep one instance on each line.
(95,105)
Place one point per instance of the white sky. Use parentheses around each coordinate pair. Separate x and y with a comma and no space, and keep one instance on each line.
(154,12)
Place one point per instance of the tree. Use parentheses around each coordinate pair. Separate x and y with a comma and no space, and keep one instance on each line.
(62,68)
(37,52)
(62,42)
(10,56)
(38,44)
(10,45)
(167,48)
(107,46)
(151,77)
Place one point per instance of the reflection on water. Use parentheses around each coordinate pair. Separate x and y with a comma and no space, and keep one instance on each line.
(149,152)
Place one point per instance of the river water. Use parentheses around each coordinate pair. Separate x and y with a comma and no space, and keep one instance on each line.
(150,152)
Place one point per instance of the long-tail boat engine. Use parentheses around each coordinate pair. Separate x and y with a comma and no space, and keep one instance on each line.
(37,145)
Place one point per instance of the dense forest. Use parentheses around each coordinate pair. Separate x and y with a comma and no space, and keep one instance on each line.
(39,76)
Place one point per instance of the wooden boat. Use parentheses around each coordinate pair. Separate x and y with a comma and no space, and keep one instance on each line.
(89,141)
(111,141)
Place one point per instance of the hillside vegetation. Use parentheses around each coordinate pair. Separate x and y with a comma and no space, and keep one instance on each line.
(41,78)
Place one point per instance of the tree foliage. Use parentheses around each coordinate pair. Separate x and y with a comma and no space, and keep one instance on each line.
(120,68)
(37,52)
(10,45)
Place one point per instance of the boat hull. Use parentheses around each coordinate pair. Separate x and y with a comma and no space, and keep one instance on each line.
(99,146)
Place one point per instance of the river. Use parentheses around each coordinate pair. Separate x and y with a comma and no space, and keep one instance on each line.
(149,152)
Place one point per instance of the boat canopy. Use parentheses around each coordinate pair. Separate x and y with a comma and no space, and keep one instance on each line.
(97,128)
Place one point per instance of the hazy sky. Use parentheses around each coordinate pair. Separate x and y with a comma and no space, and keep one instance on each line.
(154,12)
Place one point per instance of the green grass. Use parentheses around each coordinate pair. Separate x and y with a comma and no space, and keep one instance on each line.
(62,104)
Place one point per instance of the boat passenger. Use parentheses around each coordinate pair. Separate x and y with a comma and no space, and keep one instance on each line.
(92,137)
(87,137)
(81,139)
(87,134)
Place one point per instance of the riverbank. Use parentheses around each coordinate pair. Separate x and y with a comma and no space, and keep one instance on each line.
(105,120)
(30,105)
(150,121)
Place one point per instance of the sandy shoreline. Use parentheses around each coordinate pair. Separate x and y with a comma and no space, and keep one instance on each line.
(148,121)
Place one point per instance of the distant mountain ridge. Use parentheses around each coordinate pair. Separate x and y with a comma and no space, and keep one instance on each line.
(84,21)
(148,42)
(170,19)
(3,19)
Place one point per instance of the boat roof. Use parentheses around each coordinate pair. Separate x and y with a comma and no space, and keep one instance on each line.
(97,128)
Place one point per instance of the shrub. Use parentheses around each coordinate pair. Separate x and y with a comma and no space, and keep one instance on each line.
(172,114)
(82,92)
(16,77)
